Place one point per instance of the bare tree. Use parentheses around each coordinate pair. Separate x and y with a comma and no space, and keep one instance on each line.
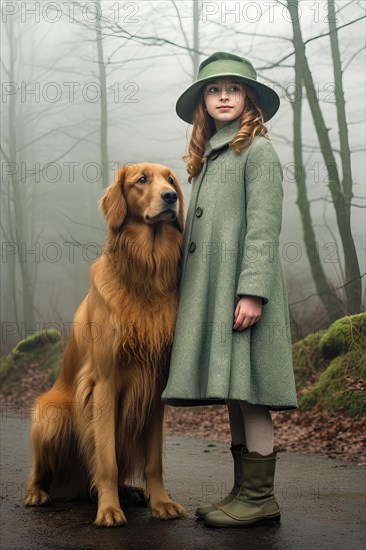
(15,197)
(352,270)
(326,293)
(345,151)
(103,103)
(21,219)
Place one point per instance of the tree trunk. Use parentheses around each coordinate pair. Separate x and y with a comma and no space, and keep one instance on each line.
(103,103)
(9,309)
(341,111)
(19,210)
(330,300)
(196,36)
(353,277)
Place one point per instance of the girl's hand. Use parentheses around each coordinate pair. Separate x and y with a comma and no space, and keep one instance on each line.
(247,312)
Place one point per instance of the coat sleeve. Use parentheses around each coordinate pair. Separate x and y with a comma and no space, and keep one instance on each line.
(264,196)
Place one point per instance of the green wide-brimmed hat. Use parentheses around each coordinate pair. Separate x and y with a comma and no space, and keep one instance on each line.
(222,64)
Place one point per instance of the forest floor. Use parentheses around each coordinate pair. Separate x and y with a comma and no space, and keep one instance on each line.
(315,432)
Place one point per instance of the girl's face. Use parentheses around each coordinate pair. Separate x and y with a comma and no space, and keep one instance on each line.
(224,101)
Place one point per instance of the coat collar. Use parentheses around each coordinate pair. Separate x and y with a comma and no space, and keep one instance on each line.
(222,137)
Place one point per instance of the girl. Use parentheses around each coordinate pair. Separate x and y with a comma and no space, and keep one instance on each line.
(232,339)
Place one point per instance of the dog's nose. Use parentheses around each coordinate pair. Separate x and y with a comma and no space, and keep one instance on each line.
(170,197)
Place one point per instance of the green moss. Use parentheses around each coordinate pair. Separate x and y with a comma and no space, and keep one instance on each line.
(344,335)
(38,340)
(307,358)
(9,374)
(336,357)
(341,386)
(44,348)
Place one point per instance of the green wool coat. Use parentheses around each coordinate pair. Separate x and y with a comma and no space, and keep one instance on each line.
(231,249)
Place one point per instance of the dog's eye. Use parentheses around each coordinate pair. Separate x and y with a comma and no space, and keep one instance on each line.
(170,179)
(143,179)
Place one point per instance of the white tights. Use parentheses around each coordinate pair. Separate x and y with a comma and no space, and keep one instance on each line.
(251,425)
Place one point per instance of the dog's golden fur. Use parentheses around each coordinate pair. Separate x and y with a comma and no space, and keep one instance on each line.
(101,424)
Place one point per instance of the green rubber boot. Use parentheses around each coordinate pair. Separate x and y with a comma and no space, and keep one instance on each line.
(236,451)
(255,501)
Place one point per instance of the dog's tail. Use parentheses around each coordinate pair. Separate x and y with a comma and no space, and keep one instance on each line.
(57,468)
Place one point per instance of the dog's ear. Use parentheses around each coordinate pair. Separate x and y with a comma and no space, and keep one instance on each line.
(113,203)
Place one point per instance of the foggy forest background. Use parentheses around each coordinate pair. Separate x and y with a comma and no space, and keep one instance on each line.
(88,86)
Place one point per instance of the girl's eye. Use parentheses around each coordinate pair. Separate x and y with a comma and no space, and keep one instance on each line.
(143,179)
(170,179)
(233,89)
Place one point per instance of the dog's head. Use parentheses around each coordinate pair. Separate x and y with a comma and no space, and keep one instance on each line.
(150,193)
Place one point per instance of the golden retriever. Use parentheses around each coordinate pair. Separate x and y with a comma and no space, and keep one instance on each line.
(101,424)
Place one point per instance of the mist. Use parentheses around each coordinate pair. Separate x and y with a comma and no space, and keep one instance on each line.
(52,133)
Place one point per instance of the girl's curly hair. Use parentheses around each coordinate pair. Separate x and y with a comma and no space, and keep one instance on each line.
(251,124)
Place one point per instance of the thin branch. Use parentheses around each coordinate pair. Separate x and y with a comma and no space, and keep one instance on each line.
(180,24)
(7,237)
(40,137)
(244,33)
(316,294)
(102,230)
(332,202)
(279,62)
(347,64)
(4,67)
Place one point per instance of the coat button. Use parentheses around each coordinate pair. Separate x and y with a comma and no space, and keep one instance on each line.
(192,247)
(214,156)
(199,212)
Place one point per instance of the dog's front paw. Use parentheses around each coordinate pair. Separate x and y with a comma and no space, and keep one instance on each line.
(36,497)
(168,510)
(110,516)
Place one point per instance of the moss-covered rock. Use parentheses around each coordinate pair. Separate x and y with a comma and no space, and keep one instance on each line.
(336,359)
(37,340)
(307,358)
(44,348)
(341,386)
(344,335)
